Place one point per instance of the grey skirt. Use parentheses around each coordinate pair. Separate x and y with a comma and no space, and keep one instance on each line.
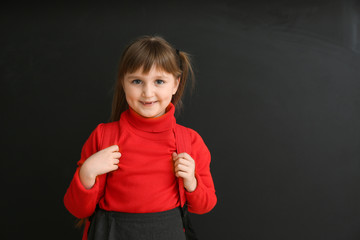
(107,225)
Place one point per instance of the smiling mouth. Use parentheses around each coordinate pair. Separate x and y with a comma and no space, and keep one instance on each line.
(148,103)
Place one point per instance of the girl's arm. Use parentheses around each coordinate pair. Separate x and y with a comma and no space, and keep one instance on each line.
(80,201)
(203,198)
(99,163)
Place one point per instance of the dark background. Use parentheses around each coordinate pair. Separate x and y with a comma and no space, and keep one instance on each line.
(277,102)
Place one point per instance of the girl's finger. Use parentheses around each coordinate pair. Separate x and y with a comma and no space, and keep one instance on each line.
(184,155)
(180,165)
(184,162)
(183,168)
(116,155)
(114,167)
(114,148)
(182,174)
(180,168)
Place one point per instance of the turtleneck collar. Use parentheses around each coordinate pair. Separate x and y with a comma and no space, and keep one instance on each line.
(158,124)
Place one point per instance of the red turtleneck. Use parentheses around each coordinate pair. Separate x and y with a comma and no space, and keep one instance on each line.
(145,180)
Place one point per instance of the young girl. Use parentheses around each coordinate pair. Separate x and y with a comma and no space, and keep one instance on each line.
(132,181)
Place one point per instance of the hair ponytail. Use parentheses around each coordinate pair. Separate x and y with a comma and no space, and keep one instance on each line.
(187,74)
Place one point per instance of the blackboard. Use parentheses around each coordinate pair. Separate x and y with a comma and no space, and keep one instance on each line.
(276,101)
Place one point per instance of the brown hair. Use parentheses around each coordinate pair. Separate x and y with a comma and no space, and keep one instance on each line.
(144,53)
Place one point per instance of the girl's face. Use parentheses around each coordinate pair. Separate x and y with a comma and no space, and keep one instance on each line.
(149,94)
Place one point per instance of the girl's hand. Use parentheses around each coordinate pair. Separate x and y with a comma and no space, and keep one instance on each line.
(184,166)
(103,161)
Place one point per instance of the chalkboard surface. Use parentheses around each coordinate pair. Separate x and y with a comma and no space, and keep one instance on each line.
(277,101)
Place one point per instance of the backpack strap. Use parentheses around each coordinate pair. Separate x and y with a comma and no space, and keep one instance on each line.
(183,144)
(183,139)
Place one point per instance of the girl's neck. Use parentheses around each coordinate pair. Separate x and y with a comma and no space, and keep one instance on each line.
(157,124)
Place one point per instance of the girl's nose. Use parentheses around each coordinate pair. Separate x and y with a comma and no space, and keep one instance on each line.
(147,91)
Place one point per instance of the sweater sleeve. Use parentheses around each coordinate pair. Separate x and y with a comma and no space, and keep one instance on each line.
(203,198)
(81,202)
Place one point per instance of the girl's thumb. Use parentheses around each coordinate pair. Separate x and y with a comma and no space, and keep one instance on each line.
(174,154)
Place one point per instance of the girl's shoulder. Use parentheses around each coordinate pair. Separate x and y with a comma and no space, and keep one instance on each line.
(107,133)
(198,149)
(106,126)
(191,131)
(110,125)
(194,135)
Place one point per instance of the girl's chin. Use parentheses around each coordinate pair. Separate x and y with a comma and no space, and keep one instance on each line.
(150,114)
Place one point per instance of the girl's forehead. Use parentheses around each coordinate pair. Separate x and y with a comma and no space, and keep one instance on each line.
(154,70)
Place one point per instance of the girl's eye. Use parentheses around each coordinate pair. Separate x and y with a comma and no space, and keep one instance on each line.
(159,82)
(136,81)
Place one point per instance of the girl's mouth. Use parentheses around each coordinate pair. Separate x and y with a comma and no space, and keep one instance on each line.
(149,103)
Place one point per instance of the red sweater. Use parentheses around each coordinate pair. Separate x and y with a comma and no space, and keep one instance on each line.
(145,180)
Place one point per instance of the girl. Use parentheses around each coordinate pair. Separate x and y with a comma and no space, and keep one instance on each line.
(136,172)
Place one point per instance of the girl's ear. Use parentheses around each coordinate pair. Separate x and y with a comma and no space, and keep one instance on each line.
(177,83)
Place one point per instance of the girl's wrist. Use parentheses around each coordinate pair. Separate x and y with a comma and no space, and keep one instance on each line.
(192,186)
(86,178)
